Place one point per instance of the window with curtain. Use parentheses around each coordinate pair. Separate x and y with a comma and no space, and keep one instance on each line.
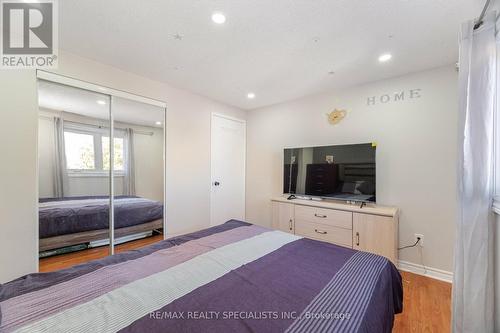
(87,150)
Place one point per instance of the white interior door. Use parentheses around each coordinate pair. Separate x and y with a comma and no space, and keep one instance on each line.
(228,152)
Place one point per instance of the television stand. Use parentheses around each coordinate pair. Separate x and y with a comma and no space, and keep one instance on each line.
(372,228)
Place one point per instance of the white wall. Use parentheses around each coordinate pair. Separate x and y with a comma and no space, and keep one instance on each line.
(187,154)
(18,167)
(416,152)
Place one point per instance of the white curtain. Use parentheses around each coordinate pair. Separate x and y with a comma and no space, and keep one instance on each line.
(59,158)
(129,181)
(473,289)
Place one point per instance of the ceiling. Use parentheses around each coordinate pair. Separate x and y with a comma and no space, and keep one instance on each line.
(279,49)
(86,103)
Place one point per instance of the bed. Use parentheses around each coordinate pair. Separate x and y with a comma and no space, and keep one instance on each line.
(77,220)
(236,277)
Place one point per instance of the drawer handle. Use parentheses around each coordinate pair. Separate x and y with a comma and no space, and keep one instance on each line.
(290,224)
(321,216)
(357,239)
(320,232)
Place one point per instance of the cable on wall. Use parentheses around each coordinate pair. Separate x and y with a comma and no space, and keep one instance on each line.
(408,246)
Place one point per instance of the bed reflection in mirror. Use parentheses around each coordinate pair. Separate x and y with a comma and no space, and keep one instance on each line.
(75,153)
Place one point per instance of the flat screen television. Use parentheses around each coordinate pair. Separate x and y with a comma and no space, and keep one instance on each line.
(341,172)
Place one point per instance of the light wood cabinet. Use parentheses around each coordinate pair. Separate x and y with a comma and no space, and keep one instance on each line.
(283,217)
(371,228)
(335,218)
(374,233)
(324,232)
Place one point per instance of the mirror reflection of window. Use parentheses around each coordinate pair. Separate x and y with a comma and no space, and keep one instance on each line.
(118,153)
(80,151)
(87,148)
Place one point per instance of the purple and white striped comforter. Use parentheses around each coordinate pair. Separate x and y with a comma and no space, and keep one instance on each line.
(235,277)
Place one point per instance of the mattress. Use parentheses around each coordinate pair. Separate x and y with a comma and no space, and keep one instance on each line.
(236,277)
(65,216)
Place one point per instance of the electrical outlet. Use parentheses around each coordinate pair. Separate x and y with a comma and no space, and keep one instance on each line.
(421,243)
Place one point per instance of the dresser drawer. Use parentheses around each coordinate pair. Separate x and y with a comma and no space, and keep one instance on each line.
(323,232)
(336,218)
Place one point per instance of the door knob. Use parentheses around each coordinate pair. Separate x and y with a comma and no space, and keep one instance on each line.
(216,183)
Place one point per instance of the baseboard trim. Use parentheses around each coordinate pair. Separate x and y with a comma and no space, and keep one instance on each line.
(431,272)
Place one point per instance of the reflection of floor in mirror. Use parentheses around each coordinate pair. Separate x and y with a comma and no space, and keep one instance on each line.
(71,259)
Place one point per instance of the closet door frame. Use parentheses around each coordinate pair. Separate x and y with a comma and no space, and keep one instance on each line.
(111,93)
(111,178)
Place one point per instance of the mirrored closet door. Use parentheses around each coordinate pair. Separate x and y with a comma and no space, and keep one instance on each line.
(74,191)
(101,171)
(138,169)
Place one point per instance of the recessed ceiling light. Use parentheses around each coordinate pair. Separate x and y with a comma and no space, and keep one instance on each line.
(101,102)
(218,18)
(158,123)
(385,57)
(251,95)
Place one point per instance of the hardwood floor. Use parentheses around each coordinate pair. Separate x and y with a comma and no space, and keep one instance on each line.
(71,259)
(426,307)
